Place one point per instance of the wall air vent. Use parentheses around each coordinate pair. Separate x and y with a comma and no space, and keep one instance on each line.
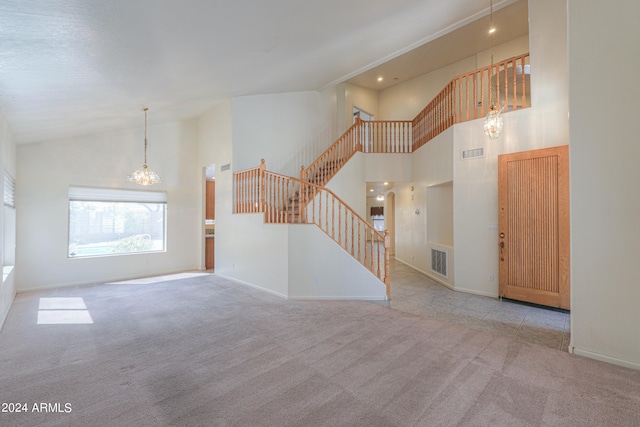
(225,167)
(439,261)
(473,153)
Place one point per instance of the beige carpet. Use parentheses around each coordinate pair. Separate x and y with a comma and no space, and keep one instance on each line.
(203,351)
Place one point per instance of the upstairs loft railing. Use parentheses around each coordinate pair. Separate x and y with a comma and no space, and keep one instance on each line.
(287,200)
(465,98)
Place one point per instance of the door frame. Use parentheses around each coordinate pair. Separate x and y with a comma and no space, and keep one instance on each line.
(560,299)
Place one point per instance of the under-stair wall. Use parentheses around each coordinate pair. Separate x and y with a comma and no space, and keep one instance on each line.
(333,275)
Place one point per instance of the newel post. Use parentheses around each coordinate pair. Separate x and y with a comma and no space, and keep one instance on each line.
(261,186)
(302,174)
(387,279)
(358,133)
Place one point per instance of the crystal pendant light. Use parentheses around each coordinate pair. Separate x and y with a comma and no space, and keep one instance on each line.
(493,124)
(144,176)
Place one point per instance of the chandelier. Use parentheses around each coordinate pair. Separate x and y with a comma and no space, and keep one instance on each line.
(493,124)
(144,176)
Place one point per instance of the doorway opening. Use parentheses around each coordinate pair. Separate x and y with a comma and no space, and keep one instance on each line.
(209,216)
(360,112)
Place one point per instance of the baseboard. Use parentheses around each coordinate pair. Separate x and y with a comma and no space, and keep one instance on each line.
(102,282)
(604,358)
(474,292)
(448,285)
(429,275)
(251,285)
(6,313)
(337,298)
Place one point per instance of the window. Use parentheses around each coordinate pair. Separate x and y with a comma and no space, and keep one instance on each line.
(9,226)
(377,218)
(115,222)
(378,222)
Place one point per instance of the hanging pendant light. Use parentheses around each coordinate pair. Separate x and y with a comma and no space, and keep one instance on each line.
(144,176)
(493,124)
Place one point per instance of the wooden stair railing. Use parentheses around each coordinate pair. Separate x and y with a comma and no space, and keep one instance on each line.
(334,157)
(247,188)
(288,200)
(465,98)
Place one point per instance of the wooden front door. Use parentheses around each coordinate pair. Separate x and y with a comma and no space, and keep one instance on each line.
(533,208)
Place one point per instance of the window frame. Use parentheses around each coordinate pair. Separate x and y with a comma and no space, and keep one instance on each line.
(111,196)
(9,224)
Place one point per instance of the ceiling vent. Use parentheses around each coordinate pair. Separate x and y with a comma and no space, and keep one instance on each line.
(472,153)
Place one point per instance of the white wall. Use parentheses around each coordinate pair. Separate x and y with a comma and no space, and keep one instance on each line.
(46,170)
(605,207)
(440,214)
(389,167)
(8,163)
(432,166)
(365,99)
(287,130)
(332,275)
(257,254)
(349,184)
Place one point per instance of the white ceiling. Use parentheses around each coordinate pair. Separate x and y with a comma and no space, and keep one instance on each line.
(74,67)
(510,22)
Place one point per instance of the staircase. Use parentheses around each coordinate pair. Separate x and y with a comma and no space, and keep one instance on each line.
(305,200)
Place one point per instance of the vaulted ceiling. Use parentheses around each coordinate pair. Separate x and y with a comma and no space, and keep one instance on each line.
(74,67)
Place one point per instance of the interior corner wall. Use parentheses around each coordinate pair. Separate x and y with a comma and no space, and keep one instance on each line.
(8,163)
(365,99)
(431,165)
(605,206)
(46,170)
(549,68)
(257,253)
(288,130)
(214,148)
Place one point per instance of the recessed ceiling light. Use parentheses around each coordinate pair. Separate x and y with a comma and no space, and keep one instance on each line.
(371,190)
(386,183)
(380,78)
(492,30)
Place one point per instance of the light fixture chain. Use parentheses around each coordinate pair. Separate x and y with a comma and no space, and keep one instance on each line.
(144,176)
(145,135)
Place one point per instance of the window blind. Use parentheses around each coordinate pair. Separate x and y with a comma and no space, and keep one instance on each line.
(9,190)
(90,194)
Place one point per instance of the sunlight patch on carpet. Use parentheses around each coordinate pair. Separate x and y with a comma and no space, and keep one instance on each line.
(63,311)
(75,303)
(158,279)
(64,317)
